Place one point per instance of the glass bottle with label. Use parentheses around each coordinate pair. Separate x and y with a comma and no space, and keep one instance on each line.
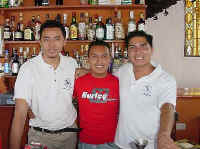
(119,29)
(100,31)
(141,23)
(6,63)
(29,32)
(109,35)
(73,28)
(66,26)
(37,28)
(82,28)
(59,2)
(15,64)
(19,34)
(45,2)
(90,31)
(7,31)
(38,2)
(131,23)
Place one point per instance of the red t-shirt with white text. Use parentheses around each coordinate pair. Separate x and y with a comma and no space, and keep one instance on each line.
(98,101)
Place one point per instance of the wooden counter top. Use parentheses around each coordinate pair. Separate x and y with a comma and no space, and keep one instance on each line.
(188,92)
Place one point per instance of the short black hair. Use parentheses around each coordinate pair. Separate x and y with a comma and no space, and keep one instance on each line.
(52,24)
(98,43)
(136,33)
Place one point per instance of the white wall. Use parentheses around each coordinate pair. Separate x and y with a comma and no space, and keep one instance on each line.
(168,32)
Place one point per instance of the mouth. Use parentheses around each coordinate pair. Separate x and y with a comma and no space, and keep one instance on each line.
(140,58)
(99,66)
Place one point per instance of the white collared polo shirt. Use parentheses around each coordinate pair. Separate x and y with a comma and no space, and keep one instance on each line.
(48,91)
(140,103)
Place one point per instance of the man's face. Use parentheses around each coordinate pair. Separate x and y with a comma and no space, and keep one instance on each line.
(139,51)
(99,60)
(52,42)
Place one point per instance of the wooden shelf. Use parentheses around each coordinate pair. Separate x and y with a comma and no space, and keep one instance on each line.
(75,7)
(66,41)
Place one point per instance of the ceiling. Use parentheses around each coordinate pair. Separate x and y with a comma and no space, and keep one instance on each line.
(156,6)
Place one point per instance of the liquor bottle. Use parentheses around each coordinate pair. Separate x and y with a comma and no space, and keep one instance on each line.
(6,63)
(34,54)
(45,2)
(7,31)
(4,3)
(38,2)
(15,64)
(29,30)
(73,28)
(81,28)
(131,23)
(12,3)
(119,29)
(91,30)
(12,27)
(100,31)
(58,18)
(137,1)
(86,23)
(37,28)
(109,34)
(141,23)
(21,58)
(59,2)
(65,26)
(20,28)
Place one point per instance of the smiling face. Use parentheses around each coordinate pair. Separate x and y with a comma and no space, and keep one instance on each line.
(52,42)
(99,60)
(139,52)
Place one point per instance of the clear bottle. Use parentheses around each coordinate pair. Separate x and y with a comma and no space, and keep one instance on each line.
(6,63)
(66,26)
(100,31)
(45,2)
(12,27)
(119,29)
(37,28)
(109,34)
(34,54)
(82,27)
(131,24)
(73,28)
(21,58)
(141,23)
(91,30)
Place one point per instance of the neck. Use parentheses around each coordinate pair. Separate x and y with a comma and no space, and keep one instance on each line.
(99,75)
(143,71)
(52,61)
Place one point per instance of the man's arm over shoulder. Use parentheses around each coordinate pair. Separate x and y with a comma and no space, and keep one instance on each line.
(17,128)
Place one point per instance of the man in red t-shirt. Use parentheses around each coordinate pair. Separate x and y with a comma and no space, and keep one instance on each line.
(98,98)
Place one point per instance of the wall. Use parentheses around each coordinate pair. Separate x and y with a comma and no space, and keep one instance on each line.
(168,32)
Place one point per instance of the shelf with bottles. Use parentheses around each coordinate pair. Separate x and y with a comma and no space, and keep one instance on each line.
(76,7)
(66,41)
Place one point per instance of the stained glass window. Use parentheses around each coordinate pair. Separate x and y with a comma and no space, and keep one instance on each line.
(192,28)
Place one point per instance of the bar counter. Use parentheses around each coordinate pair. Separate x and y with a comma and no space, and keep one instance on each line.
(187,126)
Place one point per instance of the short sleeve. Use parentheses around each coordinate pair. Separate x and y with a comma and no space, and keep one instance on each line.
(168,93)
(23,84)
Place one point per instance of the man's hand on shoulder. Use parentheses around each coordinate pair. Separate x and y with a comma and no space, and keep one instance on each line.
(80,72)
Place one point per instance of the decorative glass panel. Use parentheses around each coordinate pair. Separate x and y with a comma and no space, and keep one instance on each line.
(192,28)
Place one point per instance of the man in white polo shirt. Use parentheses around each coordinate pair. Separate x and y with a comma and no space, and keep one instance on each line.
(147,98)
(45,83)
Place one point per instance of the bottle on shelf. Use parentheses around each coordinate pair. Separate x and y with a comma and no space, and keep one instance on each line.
(37,28)
(141,23)
(119,29)
(15,64)
(58,18)
(4,3)
(81,27)
(100,31)
(34,54)
(13,3)
(38,2)
(137,1)
(109,29)
(7,30)
(73,28)
(21,58)
(12,27)
(45,2)
(29,31)
(131,23)
(86,23)
(91,30)
(66,26)
(19,33)
(59,2)
(6,63)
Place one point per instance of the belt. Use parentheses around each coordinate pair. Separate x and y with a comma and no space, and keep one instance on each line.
(68,129)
